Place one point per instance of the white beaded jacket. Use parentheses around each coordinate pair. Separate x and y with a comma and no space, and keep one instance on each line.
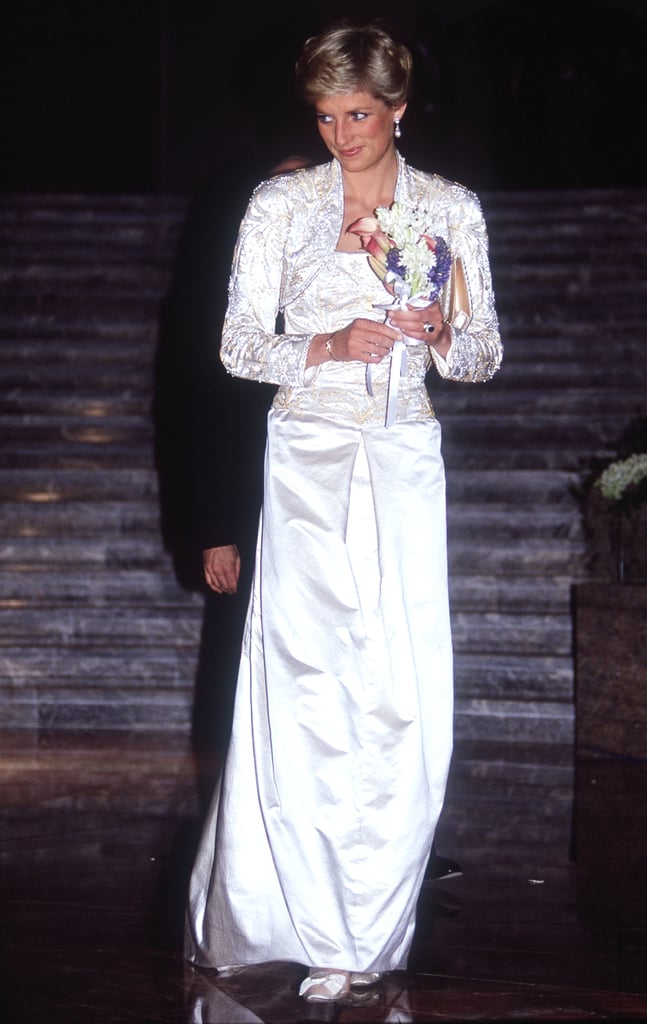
(292,226)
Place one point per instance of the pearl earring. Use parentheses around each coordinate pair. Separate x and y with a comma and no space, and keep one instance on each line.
(396,128)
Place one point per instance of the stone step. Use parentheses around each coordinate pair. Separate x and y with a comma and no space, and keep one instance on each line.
(80,519)
(578,403)
(571,301)
(36,666)
(138,243)
(46,342)
(32,353)
(471,486)
(576,242)
(532,430)
(523,487)
(64,431)
(577,248)
(132,371)
(92,627)
(21,554)
(485,455)
(566,308)
(101,456)
(66,424)
(68,205)
(517,558)
(567,276)
(51,486)
(51,283)
(83,455)
(170,710)
(138,222)
(569,211)
(82,380)
(513,675)
(500,557)
(147,667)
(545,595)
(581,263)
(545,387)
(496,521)
(89,316)
(102,586)
(568,215)
(91,587)
(527,489)
(26,401)
(142,667)
(20,402)
(491,633)
(56,708)
(539,344)
(545,343)
(485,634)
(76,685)
(508,721)
(562,375)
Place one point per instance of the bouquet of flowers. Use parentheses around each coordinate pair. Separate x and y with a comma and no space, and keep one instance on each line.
(413,264)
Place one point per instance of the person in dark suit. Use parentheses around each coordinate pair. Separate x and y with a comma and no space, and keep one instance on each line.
(210,432)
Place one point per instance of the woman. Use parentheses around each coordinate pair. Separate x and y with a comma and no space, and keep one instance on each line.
(316,844)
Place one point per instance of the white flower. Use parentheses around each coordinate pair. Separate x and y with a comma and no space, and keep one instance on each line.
(409,229)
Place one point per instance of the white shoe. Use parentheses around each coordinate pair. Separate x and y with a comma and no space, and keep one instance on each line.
(228,969)
(325,986)
(360,979)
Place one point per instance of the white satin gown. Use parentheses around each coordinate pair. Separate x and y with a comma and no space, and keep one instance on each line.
(315,846)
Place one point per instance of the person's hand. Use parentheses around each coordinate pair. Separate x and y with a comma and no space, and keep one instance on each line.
(222,568)
(424,324)
(365,341)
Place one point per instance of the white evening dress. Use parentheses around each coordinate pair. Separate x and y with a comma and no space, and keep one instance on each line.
(316,843)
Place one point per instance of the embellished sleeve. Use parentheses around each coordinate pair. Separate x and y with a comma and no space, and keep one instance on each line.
(476,352)
(250,346)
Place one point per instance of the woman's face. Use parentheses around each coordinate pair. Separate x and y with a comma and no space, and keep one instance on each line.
(357,128)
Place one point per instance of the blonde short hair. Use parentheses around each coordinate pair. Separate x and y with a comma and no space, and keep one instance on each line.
(349,57)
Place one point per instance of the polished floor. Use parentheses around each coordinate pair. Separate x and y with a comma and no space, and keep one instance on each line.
(547,922)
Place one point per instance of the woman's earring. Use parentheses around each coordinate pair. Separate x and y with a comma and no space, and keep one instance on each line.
(396,128)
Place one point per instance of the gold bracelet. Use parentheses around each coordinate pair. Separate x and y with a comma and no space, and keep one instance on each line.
(328,346)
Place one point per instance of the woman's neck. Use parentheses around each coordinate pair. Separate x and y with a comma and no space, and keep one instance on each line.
(363,193)
(371,188)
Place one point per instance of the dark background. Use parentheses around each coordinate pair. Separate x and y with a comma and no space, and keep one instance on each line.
(156,96)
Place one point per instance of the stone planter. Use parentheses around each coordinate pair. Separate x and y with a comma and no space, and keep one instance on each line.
(610,670)
(616,540)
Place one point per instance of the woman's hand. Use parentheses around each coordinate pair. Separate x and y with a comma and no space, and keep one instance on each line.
(424,324)
(364,341)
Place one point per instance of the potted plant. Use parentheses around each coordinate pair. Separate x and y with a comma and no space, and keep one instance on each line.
(615,521)
(610,613)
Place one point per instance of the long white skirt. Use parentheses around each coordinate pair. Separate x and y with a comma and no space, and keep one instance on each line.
(318,836)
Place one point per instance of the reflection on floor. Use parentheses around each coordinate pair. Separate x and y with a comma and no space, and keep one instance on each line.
(547,922)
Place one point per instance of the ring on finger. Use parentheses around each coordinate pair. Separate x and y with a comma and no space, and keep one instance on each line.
(428,328)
